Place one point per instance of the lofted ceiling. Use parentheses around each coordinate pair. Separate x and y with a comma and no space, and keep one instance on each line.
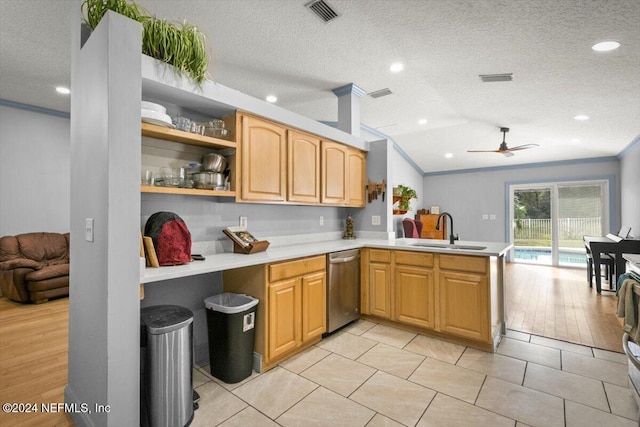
(280,47)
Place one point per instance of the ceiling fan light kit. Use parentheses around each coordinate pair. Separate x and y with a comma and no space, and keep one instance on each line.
(503,149)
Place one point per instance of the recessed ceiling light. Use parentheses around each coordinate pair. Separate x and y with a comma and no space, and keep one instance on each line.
(448,155)
(272,98)
(581,117)
(422,121)
(63,90)
(605,46)
(396,68)
(575,141)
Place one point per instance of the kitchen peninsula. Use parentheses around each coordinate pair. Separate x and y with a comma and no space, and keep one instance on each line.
(455,292)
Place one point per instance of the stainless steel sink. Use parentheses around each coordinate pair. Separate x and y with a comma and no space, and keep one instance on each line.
(449,246)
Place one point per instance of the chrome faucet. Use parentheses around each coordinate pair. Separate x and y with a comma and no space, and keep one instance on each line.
(452,238)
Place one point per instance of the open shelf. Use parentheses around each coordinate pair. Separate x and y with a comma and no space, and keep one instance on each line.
(396,199)
(175,135)
(185,191)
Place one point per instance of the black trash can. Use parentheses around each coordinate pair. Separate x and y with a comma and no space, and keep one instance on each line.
(231,325)
(166,366)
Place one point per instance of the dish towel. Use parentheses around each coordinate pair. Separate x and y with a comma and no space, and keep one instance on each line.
(628,309)
(621,279)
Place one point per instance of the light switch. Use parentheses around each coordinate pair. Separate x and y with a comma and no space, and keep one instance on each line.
(88,229)
(375,220)
(485,216)
(492,217)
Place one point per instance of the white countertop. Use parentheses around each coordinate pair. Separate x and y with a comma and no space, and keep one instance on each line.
(226,261)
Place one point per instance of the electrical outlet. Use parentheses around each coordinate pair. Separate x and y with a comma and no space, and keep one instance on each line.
(321,220)
(243,221)
(492,217)
(88,229)
(375,219)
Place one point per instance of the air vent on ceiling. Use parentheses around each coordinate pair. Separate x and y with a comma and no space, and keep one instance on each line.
(380,93)
(488,78)
(322,10)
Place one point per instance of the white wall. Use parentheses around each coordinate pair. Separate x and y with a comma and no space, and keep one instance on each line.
(34,172)
(469,195)
(630,187)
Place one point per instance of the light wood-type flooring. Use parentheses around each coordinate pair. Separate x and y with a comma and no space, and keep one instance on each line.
(33,359)
(558,303)
(546,301)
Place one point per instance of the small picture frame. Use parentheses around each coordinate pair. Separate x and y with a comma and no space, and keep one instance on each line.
(435,210)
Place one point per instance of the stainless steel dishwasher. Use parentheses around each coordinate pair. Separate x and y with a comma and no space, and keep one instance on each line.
(343,290)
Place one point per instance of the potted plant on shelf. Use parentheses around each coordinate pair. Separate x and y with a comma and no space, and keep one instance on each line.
(180,45)
(404,195)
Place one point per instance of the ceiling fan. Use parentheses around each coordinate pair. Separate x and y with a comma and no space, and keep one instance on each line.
(503,149)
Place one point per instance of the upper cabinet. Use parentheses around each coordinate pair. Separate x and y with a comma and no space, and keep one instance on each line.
(335,167)
(303,183)
(263,154)
(283,165)
(357,166)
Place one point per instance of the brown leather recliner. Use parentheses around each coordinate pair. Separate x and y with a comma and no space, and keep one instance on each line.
(34,266)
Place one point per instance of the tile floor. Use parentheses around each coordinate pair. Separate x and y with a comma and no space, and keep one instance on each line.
(374,375)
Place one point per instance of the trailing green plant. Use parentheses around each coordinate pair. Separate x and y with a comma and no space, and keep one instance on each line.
(406,194)
(94,10)
(181,45)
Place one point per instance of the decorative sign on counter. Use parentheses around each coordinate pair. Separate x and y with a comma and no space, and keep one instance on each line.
(244,242)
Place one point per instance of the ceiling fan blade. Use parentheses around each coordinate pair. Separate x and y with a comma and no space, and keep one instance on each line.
(484,151)
(507,153)
(523,147)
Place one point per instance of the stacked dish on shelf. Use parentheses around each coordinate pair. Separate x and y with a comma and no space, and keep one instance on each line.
(155,114)
(212,177)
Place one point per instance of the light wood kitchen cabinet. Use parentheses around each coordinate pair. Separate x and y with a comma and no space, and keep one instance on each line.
(284,316)
(380,290)
(264,160)
(335,163)
(464,297)
(291,313)
(445,295)
(314,312)
(414,289)
(357,166)
(376,282)
(303,167)
(279,164)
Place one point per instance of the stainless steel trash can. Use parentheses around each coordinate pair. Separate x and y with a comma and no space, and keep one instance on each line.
(167,366)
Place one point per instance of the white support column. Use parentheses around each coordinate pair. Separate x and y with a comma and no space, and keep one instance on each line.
(104,305)
(349,108)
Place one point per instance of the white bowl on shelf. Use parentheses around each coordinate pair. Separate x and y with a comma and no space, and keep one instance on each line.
(156,118)
(146,105)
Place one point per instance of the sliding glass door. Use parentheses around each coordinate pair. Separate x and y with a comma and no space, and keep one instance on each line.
(550,219)
(532,224)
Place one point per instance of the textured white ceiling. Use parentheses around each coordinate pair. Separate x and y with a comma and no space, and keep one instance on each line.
(278,46)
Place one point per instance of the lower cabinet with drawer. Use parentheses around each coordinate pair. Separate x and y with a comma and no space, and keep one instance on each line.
(291,314)
(414,289)
(447,295)
(464,296)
